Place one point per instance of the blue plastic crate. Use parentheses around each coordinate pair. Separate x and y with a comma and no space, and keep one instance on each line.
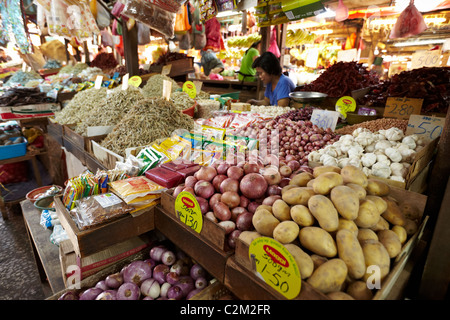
(13,150)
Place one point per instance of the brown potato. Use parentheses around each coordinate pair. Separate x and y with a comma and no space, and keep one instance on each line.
(281,210)
(358,189)
(286,231)
(317,171)
(348,225)
(368,214)
(410,211)
(393,214)
(411,227)
(375,254)
(302,216)
(346,201)
(329,277)
(318,241)
(390,241)
(298,195)
(382,224)
(352,174)
(366,234)
(359,290)
(339,295)
(304,262)
(288,187)
(248,236)
(350,251)
(327,181)
(318,260)
(401,233)
(310,183)
(264,222)
(379,202)
(301,179)
(377,188)
(324,212)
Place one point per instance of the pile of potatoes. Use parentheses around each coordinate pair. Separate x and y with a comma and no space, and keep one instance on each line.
(336,223)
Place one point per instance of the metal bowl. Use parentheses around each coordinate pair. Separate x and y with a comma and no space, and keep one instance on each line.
(307,96)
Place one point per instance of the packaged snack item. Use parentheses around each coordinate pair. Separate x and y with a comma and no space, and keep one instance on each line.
(164,177)
(94,210)
(135,187)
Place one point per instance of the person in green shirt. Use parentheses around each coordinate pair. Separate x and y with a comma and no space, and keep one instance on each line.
(247,72)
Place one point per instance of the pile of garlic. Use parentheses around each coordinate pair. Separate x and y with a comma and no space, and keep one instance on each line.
(385,153)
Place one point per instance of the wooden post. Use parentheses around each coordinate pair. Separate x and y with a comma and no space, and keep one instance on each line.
(265,38)
(282,43)
(130,45)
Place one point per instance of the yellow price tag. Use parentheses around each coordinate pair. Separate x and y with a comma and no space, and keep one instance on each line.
(345,104)
(188,211)
(276,266)
(135,81)
(190,88)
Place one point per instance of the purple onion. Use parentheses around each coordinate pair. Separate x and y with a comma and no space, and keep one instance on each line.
(175,293)
(197,271)
(193,293)
(69,295)
(152,263)
(186,283)
(114,280)
(107,295)
(151,288)
(201,283)
(90,294)
(156,252)
(160,271)
(136,272)
(172,277)
(128,291)
(102,285)
(168,258)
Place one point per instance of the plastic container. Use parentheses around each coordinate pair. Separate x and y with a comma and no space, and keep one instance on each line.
(13,150)
(164,177)
(190,112)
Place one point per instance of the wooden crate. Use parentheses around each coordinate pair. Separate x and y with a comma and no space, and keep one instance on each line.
(56,131)
(90,241)
(241,257)
(179,67)
(207,255)
(82,142)
(211,231)
(106,157)
(71,147)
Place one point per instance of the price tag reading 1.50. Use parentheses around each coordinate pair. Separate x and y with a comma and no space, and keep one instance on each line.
(188,211)
(276,266)
(402,108)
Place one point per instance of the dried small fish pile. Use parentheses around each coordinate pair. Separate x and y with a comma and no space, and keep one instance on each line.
(181,100)
(149,120)
(202,95)
(154,86)
(111,111)
(81,105)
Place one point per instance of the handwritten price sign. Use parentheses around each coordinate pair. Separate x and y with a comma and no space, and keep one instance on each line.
(188,211)
(426,59)
(402,108)
(276,266)
(430,127)
(325,119)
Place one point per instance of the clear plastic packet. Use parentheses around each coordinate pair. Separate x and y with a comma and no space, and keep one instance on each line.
(48,219)
(150,14)
(94,210)
(135,187)
(58,235)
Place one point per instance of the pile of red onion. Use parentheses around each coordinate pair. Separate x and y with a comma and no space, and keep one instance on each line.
(165,275)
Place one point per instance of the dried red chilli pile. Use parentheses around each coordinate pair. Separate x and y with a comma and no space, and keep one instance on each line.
(430,84)
(342,78)
(104,60)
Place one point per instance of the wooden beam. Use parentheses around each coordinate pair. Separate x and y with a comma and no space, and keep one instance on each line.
(130,46)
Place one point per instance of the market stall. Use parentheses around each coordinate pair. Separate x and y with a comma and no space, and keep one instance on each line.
(177,187)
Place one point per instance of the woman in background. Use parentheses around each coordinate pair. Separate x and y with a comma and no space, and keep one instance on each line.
(278,86)
(247,72)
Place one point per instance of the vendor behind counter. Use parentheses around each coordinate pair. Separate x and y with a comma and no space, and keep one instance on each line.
(210,63)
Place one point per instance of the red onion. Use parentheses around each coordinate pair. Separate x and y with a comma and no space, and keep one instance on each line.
(164,288)
(128,291)
(253,185)
(244,202)
(193,293)
(229,184)
(197,271)
(172,277)
(152,263)
(168,258)
(222,168)
(231,199)
(178,190)
(206,173)
(235,212)
(190,190)
(270,200)
(201,283)
(107,295)
(251,167)
(102,285)
(179,267)
(214,199)
(156,252)
(159,273)
(175,293)
(90,294)
(232,238)
(235,173)
(190,181)
(253,206)
(273,190)
(204,204)
(186,283)
(272,175)
(218,180)
(244,221)
(69,295)
(137,272)
(204,189)
(151,288)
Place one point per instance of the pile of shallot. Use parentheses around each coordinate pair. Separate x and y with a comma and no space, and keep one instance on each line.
(166,275)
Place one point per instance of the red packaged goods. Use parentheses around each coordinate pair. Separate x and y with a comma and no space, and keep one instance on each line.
(189,171)
(164,177)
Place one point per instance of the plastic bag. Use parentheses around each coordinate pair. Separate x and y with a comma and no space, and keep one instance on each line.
(135,187)
(152,15)
(409,23)
(94,210)
(48,219)
(273,44)
(58,235)
(143,34)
